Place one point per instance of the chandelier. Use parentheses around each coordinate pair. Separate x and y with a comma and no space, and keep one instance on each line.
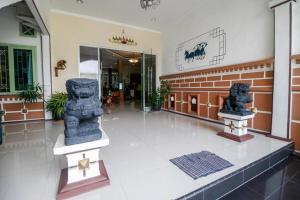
(133,60)
(146,4)
(123,40)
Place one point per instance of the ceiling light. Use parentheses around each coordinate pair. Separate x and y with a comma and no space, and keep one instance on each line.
(133,60)
(146,4)
(80,1)
(123,40)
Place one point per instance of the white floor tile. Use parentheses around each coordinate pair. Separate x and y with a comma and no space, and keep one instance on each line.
(137,159)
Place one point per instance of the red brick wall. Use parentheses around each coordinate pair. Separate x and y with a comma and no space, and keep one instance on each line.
(295,102)
(15,110)
(212,85)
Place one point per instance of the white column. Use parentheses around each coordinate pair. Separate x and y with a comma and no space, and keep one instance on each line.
(282,67)
(47,82)
(296,29)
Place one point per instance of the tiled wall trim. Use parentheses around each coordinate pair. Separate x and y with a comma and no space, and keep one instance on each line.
(212,85)
(227,184)
(295,102)
(16,111)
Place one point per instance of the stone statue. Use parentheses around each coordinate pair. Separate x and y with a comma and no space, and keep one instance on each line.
(238,97)
(82,111)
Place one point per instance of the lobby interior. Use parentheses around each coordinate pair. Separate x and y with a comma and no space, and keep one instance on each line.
(199,50)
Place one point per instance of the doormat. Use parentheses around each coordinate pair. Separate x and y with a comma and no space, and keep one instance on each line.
(200,164)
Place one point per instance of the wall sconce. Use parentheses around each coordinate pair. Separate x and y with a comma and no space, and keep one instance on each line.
(208,104)
(253,109)
(24,110)
(61,65)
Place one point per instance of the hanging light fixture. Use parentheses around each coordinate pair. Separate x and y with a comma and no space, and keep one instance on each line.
(133,60)
(123,40)
(146,4)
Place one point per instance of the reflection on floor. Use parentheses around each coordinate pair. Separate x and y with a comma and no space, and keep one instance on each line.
(133,105)
(281,182)
(137,159)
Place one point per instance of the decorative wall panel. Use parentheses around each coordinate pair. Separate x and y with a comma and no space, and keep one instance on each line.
(207,49)
(16,110)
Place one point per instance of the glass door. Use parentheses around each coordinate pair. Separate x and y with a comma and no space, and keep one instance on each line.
(148,80)
(90,65)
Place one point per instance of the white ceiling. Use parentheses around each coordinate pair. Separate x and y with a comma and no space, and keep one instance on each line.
(168,13)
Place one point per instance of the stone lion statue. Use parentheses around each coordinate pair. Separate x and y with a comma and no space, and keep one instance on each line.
(235,102)
(81,111)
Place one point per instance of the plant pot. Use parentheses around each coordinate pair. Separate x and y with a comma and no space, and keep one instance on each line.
(156,107)
(61,118)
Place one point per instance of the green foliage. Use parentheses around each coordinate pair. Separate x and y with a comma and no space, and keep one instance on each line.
(156,99)
(32,93)
(165,89)
(160,94)
(56,104)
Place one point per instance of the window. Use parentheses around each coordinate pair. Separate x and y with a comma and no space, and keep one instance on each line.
(17,67)
(23,68)
(89,62)
(27,31)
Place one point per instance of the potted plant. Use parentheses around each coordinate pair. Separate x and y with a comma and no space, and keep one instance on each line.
(56,105)
(165,90)
(32,93)
(156,100)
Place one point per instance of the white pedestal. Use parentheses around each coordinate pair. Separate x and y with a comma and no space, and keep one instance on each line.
(85,171)
(235,127)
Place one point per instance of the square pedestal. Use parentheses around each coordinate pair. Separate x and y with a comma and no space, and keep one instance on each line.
(79,184)
(85,171)
(235,127)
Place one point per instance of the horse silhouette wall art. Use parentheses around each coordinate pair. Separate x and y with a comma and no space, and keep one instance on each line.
(197,53)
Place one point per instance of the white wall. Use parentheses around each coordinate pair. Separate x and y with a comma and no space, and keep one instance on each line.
(9,33)
(249,27)
(296,29)
(69,31)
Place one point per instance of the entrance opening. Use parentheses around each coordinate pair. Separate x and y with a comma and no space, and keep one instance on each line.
(124,77)
(121,77)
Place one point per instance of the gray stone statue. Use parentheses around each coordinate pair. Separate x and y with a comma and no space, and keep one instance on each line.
(238,97)
(82,111)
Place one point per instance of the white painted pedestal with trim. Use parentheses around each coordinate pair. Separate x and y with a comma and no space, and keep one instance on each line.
(236,127)
(85,171)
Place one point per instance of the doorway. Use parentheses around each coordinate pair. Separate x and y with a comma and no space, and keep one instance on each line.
(124,77)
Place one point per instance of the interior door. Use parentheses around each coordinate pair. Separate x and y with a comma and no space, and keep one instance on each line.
(148,80)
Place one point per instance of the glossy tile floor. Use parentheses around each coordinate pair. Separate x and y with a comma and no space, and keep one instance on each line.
(280,183)
(137,159)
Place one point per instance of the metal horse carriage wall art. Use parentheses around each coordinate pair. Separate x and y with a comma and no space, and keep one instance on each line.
(207,49)
(197,53)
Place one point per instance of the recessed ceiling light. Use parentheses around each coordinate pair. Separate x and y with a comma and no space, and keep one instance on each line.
(80,1)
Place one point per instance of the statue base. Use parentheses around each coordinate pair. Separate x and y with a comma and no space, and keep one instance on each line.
(67,190)
(85,171)
(235,127)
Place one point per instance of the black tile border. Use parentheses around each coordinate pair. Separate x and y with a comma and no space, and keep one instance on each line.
(241,176)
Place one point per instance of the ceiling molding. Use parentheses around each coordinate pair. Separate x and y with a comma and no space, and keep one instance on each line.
(104,20)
